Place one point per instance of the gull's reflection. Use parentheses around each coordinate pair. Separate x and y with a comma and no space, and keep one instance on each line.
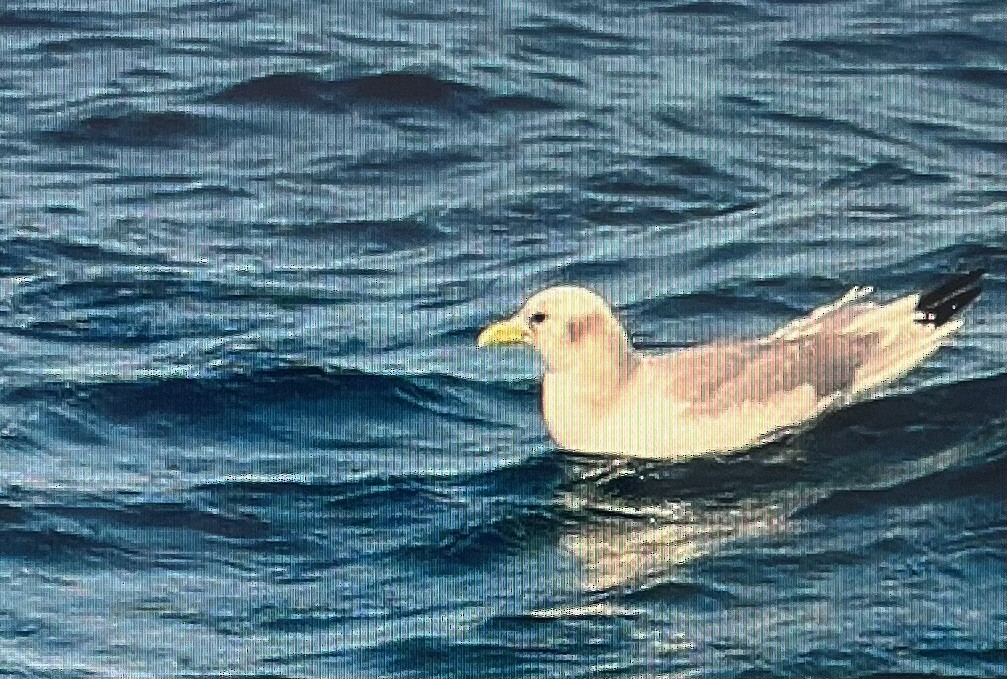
(643,521)
(639,523)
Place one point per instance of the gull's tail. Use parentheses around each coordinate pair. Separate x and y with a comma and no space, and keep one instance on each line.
(912,328)
(946,300)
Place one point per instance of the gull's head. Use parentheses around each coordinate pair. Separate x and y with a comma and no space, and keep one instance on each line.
(569,326)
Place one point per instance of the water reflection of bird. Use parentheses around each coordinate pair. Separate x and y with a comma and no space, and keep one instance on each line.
(601,396)
(639,524)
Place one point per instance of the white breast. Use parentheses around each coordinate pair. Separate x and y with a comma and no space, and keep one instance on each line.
(566,416)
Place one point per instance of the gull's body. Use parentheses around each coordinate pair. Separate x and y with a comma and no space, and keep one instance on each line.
(602,396)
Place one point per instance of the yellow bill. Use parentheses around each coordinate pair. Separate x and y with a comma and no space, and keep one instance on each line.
(504,332)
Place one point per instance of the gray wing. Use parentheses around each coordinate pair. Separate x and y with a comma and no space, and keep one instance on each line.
(825,356)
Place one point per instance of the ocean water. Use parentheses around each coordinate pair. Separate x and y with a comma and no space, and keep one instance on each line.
(245,249)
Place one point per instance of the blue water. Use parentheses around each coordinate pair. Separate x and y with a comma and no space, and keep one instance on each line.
(245,248)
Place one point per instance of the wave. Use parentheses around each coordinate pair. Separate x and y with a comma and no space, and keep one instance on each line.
(140,128)
(32,19)
(224,11)
(448,655)
(303,620)
(987,76)
(99,528)
(561,39)
(694,182)
(589,611)
(391,90)
(356,494)
(96,42)
(142,72)
(55,545)
(721,301)
(696,595)
(172,515)
(984,481)
(19,253)
(398,166)
(395,234)
(885,174)
(517,530)
(946,47)
(725,10)
(367,494)
(825,124)
(435,12)
(329,412)
(272,385)
(630,211)
(922,270)
(639,183)
(196,190)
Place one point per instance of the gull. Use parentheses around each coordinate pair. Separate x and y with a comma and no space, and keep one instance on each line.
(601,396)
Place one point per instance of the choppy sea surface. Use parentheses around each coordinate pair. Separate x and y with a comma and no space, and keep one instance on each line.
(245,248)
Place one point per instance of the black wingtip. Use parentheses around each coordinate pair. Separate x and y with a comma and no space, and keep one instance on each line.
(939,305)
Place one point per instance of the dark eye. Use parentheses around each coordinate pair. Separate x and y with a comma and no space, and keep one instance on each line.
(537,317)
